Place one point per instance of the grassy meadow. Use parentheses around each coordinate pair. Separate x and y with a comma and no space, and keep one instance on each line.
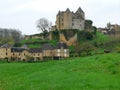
(99,72)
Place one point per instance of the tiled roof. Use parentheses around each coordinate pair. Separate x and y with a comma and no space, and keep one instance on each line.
(61,45)
(6,46)
(15,49)
(35,50)
(47,47)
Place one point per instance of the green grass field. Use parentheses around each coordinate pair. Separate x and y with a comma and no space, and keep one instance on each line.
(100,72)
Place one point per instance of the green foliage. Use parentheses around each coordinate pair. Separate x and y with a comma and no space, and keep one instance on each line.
(105,42)
(17,44)
(68,33)
(101,38)
(36,42)
(55,35)
(118,49)
(94,30)
(7,40)
(88,24)
(85,48)
(100,72)
(84,35)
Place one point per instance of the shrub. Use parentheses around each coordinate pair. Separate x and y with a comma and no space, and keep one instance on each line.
(17,45)
(84,35)
(85,48)
(55,35)
(118,49)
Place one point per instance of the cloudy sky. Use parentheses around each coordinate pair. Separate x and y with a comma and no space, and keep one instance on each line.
(23,14)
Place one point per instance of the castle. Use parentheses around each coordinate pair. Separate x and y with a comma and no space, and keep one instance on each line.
(70,20)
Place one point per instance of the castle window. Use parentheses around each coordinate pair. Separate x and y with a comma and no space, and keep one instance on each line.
(62,24)
(72,24)
(6,54)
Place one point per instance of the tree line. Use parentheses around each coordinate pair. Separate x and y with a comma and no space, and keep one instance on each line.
(10,36)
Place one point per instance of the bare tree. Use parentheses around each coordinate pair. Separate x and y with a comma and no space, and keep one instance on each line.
(15,34)
(44,25)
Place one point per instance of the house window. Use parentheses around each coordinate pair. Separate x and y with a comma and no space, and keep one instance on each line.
(65,50)
(62,24)
(65,55)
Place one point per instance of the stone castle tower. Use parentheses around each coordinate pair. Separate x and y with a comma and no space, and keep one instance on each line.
(70,20)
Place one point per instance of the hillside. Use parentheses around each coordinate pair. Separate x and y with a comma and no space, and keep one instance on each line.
(99,41)
(100,72)
(36,42)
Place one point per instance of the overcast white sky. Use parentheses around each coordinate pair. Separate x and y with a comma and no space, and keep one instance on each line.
(23,14)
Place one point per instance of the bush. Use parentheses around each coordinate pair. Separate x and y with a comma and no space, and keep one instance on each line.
(55,35)
(84,35)
(68,33)
(118,49)
(84,49)
(17,45)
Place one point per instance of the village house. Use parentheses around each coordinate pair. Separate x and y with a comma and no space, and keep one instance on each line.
(103,30)
(25,54)
(47,50)
(5,51)
(112,30)
(19,54)
(61,51)
(36,54)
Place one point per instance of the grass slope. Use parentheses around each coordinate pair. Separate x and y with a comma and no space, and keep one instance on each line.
(36,42)
(101,72)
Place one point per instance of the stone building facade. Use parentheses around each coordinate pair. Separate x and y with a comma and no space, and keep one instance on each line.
(112,30)
(70,20)
(25,54)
